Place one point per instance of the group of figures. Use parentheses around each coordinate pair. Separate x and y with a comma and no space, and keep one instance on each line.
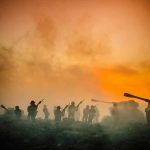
(89,113)
(121,112)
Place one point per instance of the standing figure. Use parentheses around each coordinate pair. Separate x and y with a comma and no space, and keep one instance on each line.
(72,110)
(18,112)
(97,114)
(46,112)
(92,113)
(86,114)
(147,110)
(58,115)
(32,110)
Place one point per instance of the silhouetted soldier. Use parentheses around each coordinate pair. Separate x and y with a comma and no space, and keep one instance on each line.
(86,114)
(58,113)
(46,113)
(9,112)
(92,113)
(147,110)
(18,112)
(97,114)
(32,110)
(72,110)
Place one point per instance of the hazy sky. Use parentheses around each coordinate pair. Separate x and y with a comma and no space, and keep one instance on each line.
(64,50)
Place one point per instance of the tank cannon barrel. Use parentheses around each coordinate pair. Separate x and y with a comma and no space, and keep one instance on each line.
(137,97)
(101,101)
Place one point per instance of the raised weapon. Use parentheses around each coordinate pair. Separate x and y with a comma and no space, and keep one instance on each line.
(64,109)
(79,104)
(2,106)
(40,102)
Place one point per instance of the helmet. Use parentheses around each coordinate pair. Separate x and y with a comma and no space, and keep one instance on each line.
(16,107)
(32,102)
(72,103)
(58,107)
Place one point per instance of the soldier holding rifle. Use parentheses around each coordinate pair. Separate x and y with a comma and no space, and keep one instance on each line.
(58,113)
(92,113)
(72,109)
(46,112)
(13,112)
(32,110)
(18,112)
(86,114)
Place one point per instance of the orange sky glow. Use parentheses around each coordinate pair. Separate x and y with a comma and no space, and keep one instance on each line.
(64,50)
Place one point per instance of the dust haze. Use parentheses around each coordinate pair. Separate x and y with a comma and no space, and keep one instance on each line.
(62,51)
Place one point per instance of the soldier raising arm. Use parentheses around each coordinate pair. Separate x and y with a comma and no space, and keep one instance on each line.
(72,109)
(58,113)
(32,110)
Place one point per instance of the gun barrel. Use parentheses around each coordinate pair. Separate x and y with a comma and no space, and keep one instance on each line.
(101,101)
(137,97)
(2,106)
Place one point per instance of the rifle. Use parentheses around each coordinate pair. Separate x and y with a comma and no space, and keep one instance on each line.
(133,96)
(79,104)
(2,106)
(40,102)
(64,109)
(95,100)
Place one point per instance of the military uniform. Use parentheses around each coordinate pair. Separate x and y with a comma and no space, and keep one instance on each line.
(18,112)
(71,111)
(92,113)
(58,114)
(85,114)
(46,113)
(32,111)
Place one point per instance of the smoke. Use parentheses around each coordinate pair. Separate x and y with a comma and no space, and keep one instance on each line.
(124,115)
(85,51)
(67,50)
(7,59)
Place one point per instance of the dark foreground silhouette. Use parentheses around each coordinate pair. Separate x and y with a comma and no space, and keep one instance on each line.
(44,135)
